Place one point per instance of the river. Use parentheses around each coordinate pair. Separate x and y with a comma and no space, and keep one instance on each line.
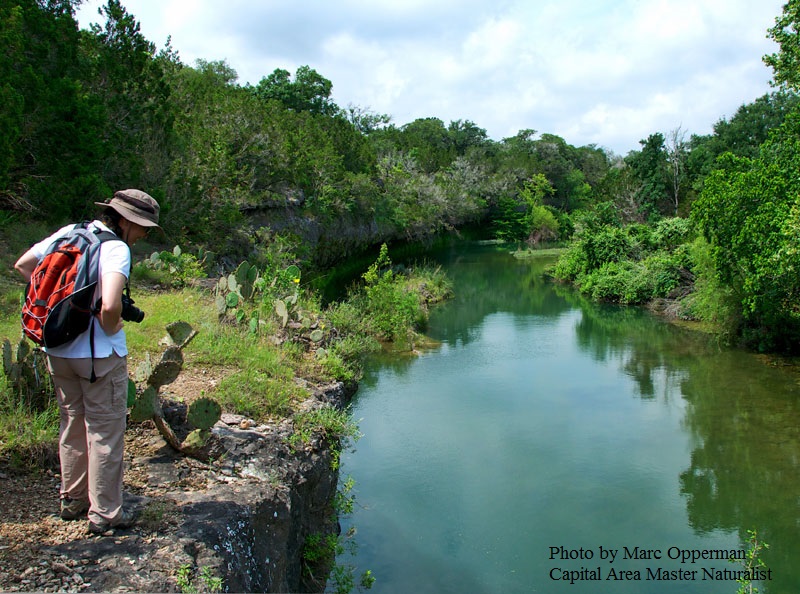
(550,444)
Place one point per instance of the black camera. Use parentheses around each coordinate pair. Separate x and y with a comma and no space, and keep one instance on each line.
(131,313)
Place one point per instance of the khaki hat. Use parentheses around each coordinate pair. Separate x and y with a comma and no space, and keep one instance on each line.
(136,206)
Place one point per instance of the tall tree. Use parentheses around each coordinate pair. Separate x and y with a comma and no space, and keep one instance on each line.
(676,159)
(49,126)
(309,91)
(785,63)
(650,168)
(130,83)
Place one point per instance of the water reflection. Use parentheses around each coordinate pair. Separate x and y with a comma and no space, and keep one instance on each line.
(743,414)
(544,418)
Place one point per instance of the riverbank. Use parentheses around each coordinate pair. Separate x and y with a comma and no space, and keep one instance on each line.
(252,517)
(242,519)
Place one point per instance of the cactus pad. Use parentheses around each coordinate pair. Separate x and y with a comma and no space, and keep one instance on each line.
(144,369)
(196,439)
(131,393)
(145,406)
(23,350)
(164,373)
(7,360)
(181,333)
(204,412)
(282,311)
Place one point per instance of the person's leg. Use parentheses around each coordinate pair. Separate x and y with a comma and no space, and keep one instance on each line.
(105,403)
(72,443)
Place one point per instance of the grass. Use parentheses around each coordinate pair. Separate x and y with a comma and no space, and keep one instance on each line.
(261,364)
(27,437)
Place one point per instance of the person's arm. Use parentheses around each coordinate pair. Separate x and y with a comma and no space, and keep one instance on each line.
(27,264)
(111,307)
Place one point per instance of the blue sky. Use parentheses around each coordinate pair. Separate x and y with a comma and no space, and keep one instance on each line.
(608,73)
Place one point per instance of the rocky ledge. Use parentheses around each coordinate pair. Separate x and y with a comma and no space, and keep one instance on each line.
(244,517)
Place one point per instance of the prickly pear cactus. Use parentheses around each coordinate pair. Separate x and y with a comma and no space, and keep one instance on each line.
(204,412)
(195,441)
(282,311)
(246,275)
(180,333)
(168,368)
(26,373)
(8,361)
(146,406)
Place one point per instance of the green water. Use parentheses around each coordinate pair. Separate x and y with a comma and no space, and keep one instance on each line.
(544,421)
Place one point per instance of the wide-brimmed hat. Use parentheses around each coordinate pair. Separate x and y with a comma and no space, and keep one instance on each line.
(136,206)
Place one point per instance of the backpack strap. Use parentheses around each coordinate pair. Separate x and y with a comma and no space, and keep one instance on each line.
(101,236)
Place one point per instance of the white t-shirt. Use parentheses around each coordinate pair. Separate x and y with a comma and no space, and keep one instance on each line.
(115,256)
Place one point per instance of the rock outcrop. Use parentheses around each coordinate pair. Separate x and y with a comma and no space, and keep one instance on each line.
(244,517)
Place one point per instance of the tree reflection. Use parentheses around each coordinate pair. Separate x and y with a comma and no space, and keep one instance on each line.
(743,415)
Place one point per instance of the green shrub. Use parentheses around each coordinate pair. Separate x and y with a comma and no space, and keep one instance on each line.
(670,233)
(620,282)
(174,269)
(608,244)
(663,272)
(712,301)
(573,262)
(394,310)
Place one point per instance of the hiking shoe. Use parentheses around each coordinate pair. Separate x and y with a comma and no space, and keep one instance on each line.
(126,519)
(72,509)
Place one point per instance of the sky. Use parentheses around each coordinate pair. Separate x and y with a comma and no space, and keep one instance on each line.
(594,72)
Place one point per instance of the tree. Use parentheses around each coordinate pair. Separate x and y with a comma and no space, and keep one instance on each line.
(49,125)
(676,159)
(749,212)
(129,84)
(786,33)
(540,221)
(309,91)
(650,168)
(365,120)
(464,135)
(428,142)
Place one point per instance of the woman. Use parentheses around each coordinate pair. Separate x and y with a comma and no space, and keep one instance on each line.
(91,436)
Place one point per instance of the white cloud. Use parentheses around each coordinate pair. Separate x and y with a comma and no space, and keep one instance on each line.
(607,72)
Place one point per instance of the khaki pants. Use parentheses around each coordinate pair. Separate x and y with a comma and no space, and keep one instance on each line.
(92,431)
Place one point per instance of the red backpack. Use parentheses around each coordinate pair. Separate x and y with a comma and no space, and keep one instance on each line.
(58,300)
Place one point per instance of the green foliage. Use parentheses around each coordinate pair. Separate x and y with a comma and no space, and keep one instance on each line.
(752,563)
(651,170)
(29,416)
(509,222)
(175,269)
(670,233)
(712,301)
(630,265)
(327,422)
(188,582)
(526,218)
(26,375)
(785,63)
(309,91)
(748,211)
(609,244)
(393,310)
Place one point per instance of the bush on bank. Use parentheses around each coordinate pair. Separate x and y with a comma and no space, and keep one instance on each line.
(632,264)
